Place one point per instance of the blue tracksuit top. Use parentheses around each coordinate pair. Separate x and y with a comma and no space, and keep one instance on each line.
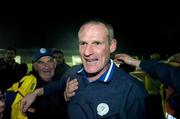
(115,95)
(170,76)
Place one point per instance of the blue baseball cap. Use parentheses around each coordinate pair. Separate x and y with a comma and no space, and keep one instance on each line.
(42,52)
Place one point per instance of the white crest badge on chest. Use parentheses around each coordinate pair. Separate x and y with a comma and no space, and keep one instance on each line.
(102,109)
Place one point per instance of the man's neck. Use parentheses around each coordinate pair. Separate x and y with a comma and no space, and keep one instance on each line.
(97,75)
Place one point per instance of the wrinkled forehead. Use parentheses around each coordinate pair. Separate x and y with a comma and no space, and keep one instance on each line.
(91,28)
(45,58)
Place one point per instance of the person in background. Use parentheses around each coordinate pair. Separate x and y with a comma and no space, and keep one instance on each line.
(51,106)
(61,66)
(54,105)
(8,69)
(168,74)
(99,88)
(172,99)
(154,88)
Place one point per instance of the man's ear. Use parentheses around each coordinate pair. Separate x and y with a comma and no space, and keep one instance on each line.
(55,62)
(35,66)
(113,45)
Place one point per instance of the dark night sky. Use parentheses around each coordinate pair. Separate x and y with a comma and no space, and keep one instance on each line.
(140,31)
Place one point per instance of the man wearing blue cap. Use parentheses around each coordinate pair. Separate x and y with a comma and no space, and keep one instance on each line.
(43,71)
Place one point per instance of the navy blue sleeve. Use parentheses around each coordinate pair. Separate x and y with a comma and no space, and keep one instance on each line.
(60,85)
(56,86)
(168,75)
(136,106)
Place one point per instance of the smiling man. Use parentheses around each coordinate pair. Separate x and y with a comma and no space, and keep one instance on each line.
(97,88)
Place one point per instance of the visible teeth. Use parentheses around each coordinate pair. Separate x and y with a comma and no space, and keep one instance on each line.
(91,62)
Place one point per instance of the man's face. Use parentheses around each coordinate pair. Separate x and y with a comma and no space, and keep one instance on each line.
(9,55)
(45,67)
(59,58)
(94,48)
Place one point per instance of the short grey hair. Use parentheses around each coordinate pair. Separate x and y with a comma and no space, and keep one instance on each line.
(99,21)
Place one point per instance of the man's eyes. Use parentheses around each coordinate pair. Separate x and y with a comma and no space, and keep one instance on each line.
(82,43)
(97,43)
(40,62)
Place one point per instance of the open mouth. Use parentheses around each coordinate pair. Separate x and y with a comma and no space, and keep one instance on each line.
(91,61)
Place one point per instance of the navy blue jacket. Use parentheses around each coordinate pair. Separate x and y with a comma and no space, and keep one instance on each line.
(120,97)
(170,76)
